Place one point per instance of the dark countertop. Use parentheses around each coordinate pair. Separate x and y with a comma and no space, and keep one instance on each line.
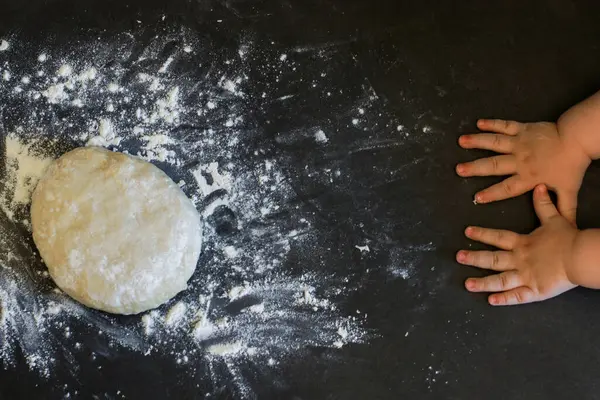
(434,68)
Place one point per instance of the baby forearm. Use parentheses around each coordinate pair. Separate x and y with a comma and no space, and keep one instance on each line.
(582,124)
(584,268)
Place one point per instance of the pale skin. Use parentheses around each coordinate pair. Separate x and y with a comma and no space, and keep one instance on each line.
(556,257)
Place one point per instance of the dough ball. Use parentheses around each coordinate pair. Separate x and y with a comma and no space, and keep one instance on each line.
(116,233)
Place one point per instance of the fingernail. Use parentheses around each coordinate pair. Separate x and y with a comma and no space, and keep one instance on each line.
(541,189)
(460,169)
(470,284)
(493,300)
(461,256)
(479,198)
(469,231)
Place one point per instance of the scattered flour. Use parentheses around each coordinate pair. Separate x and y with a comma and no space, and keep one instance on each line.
(149,321)
(364,248)
(175,314)
(155,148)
(55,93)
(112,87)
(203,329)
(167,108)
(65,71)
(226,349)
(165,66)
(4,45)
(87,75)
(320,137)
(209,179)
(248,303)
(230,251)
(232,86)
(106,135)
(23,168)
(405,259)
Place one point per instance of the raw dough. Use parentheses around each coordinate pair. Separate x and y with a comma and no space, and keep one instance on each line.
(116,233)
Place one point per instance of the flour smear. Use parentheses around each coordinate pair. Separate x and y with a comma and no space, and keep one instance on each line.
(245,304)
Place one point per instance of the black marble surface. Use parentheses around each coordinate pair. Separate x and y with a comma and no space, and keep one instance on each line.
(431,64)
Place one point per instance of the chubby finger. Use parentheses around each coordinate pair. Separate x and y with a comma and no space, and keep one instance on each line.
(510,187)
(500,126)
(491,166)
(495,260)
(520,295)
(488,141)
(544,207)
(494,283)
(567,205)
(505,240)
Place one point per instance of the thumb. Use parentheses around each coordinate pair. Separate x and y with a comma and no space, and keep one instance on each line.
(567,205)
(544,208)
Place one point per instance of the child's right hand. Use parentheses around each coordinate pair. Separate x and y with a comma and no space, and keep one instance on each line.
(532,267)
(533,153)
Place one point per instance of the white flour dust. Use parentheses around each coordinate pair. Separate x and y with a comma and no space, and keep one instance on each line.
(320,137)
(24,168)
(244,304)
(405,260)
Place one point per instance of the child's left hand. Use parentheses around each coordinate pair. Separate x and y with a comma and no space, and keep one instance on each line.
(532,267)
(536,153)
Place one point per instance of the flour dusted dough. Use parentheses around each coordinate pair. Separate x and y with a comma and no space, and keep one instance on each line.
(116,233)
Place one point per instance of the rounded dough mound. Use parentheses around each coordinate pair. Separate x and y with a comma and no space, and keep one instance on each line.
(116,233)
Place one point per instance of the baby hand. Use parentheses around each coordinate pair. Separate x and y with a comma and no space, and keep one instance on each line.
(533,154)
(532,267)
